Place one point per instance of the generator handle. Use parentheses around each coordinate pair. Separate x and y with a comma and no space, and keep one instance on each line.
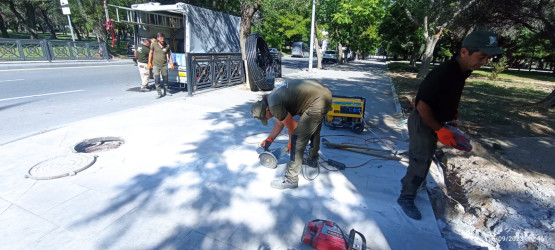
(342,96)
(352,239)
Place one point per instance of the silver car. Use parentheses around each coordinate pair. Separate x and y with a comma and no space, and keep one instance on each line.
(329,56)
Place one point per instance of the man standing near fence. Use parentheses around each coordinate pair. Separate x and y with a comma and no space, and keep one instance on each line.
(158,61)
(141,54)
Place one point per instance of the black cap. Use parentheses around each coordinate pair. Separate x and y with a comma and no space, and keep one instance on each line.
(482,40)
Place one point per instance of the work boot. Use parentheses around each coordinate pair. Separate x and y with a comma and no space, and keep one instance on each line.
(167,91)
(284,183)
(160,95)
(409,208)
(313,163)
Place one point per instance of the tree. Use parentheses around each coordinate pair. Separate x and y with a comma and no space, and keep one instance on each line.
(284,22)
(367,15)
(433,16)
(44,8)
(248,9)
(3,27)
(549,101)
(27,20)
(400,36)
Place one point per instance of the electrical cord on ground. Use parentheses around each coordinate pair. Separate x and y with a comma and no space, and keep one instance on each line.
(259,63)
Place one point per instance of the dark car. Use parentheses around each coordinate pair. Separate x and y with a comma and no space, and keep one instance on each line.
(276,55)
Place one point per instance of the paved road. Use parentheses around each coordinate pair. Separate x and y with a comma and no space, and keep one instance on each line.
(35,100)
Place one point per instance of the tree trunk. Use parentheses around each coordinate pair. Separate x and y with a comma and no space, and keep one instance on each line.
(318,53)
(3,28)
(48,23)
(428,54)
(32,31)
(549,101)
(30,11)
(247,12)
(340,53)
(76,31)
(414,56)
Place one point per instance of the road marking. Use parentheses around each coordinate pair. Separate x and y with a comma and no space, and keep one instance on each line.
(47,94)
(12,80)
(76,67)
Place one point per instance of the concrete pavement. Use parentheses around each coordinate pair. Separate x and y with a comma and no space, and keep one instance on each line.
(187,177)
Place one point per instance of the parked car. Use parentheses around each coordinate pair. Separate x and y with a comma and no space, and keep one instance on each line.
(299,49)
(276,55)
(329,56)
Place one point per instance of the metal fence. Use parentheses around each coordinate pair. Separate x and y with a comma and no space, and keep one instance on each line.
(214,70)
(37,50)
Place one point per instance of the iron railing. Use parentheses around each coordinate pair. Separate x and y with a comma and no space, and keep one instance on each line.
(205,70)
(36,50)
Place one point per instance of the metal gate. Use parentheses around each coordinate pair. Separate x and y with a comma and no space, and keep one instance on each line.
(205,70)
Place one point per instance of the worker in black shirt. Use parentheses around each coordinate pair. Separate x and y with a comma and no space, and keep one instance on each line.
(437,102)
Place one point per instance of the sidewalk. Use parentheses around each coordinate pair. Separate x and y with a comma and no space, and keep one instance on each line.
(188,177)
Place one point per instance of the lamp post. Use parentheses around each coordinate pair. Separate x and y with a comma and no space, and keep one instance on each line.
(66,11)
(312,35)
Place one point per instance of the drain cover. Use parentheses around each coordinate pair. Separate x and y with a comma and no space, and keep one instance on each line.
(98,144)
(61,166)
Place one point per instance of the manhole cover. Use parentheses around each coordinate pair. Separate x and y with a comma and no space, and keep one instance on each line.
(61,166)
(98,144)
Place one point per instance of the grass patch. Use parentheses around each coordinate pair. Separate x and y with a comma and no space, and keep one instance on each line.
(491,108)
(519,75)
(398,67)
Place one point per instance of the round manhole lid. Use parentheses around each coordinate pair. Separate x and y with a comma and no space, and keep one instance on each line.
(98,144)
(61,166)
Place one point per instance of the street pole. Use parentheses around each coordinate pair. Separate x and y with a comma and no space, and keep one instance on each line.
(312,35)
(71,28)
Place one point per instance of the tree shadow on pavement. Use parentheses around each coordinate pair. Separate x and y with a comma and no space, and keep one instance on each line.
(218,197)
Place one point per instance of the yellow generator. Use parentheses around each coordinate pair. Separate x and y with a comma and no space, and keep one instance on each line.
(347,112)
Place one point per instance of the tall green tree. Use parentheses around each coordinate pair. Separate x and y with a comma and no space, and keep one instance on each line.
(367,16)
(399,36)
(285,21)
(433,16)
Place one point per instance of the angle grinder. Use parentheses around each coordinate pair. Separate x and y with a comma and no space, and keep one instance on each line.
(269,159)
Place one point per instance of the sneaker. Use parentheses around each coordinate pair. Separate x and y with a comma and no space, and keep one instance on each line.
(311,163)
(284,183)
(167,91)
(145,89)
(159,95)
(409,208)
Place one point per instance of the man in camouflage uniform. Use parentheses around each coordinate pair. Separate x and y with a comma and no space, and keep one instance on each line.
(307,98)
(158,61)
